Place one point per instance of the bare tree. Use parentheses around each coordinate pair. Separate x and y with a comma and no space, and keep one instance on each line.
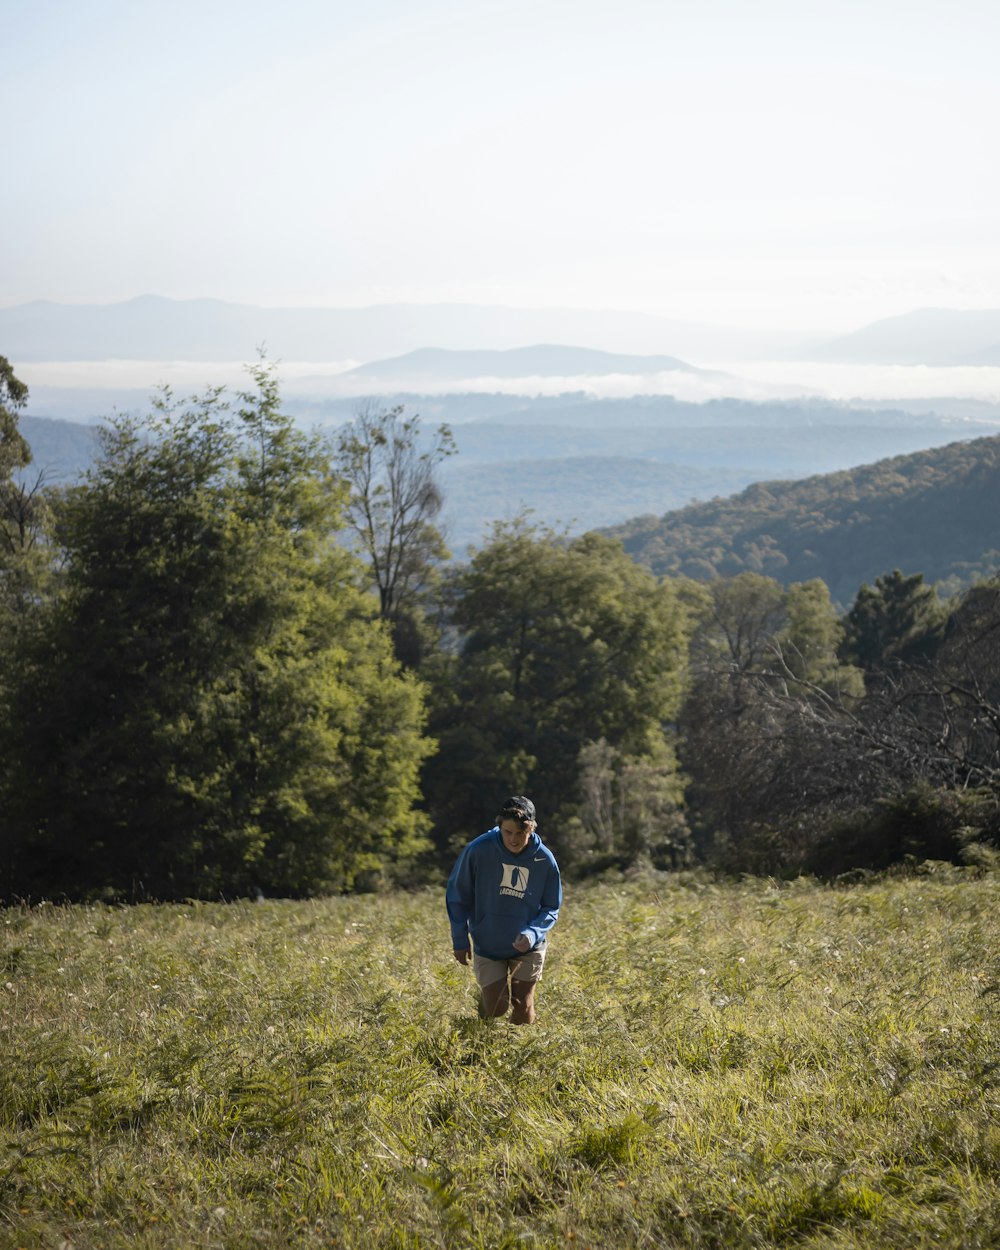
(789,757)
(395,499)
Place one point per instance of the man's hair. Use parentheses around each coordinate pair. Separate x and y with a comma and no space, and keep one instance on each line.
(517,808)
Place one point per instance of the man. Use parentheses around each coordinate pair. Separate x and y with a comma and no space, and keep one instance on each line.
(505,893)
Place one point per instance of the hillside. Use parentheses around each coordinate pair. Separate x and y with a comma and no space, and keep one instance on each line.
(61,450)
(933,512)
(748,1064)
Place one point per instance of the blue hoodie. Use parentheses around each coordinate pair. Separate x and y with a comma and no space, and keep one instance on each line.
(493,895)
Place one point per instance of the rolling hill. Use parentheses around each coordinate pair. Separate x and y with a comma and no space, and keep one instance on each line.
(934,512)
(436,364)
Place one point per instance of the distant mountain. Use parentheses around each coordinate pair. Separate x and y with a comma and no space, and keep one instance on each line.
(153,328)
(933,512)
(435,364)
(596,463)
(572,492)
(932,336)
(61,450)
(763,450)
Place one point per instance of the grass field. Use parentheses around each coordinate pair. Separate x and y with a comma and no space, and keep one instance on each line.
(714,1065)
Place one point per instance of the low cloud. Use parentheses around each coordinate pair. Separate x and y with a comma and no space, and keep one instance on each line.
(748,380)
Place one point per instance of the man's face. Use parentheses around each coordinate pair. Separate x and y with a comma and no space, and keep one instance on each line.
(515,835)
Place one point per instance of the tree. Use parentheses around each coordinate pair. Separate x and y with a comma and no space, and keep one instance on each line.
(14,451)
(22,556)
(209,706)
(810,642)
(558,643)
(897,620)
(22,505)
(394,500)
(761,658)
(631,806)
(823,775)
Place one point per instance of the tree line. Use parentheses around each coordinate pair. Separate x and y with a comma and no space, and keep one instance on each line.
(236,660)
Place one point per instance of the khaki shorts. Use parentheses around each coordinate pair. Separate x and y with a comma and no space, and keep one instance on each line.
(522,968)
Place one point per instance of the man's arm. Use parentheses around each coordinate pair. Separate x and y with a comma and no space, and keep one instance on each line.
(459,894)
(548,912)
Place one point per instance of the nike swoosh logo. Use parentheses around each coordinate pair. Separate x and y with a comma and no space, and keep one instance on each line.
(538,859)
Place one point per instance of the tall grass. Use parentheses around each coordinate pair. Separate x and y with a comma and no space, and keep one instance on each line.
(739,1065)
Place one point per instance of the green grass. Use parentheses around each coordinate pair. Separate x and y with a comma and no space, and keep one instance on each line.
(740,1065)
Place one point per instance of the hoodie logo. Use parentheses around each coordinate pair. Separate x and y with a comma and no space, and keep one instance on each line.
(515,880)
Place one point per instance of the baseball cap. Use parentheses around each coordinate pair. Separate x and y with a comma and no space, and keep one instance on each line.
(518,802)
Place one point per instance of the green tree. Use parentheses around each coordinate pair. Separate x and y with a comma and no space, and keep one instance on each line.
(898,620)
(23,563)
(211,706)
(809,644)
(559,643)
(22,505)
(14,451)
(631,807)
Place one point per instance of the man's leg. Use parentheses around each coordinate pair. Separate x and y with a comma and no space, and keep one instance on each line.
(491,976)
(523,995)
(496,998)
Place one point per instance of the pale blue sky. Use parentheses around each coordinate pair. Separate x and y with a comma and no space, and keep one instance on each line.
(755,162)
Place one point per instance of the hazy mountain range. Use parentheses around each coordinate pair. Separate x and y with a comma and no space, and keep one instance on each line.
(153,328)
(585,463)
(933,511)
(575,453)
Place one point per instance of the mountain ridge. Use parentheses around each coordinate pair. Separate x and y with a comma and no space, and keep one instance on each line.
(153,327)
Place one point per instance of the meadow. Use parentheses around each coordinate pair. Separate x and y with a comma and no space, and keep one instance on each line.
(743,1064)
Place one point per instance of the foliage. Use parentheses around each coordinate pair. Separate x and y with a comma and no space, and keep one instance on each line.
(558,643)
(14,451)
(23,561)
(207,705)
(922,823)
(631,808)
(933,510)
(22,510)
(741,1066)
(898,620)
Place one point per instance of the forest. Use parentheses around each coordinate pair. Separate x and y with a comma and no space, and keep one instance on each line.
(934,509)
(238,662)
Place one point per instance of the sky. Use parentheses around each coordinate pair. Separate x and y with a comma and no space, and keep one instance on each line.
(785,164)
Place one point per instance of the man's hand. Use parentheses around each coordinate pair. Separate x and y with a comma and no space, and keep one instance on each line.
(522,943)
(464,956)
